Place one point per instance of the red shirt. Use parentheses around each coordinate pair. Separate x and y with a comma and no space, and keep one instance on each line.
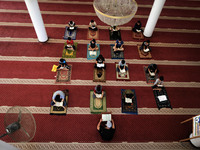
(70,42)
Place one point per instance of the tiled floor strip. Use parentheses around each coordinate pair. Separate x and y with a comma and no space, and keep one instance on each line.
(99,26)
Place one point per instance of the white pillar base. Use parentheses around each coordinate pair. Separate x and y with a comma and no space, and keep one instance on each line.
(34,12)
(195,141)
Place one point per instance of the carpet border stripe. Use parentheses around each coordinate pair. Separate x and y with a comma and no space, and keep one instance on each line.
(91,3)
(104,146)
(91,83)
(115,111)
(94,14)
(85,60)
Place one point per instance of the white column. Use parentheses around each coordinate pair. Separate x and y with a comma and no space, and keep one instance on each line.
(34,12)
(153,17)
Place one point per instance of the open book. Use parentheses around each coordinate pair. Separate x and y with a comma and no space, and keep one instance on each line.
(106,117)
(146,50)
(98,95)
(122,70)
(71,28)
(128,100)
(58,104)
(152,73)
(93,53)
(100,65)
(162,98)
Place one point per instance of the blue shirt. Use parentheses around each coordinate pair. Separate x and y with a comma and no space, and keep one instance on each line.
(119,44)
(62,95)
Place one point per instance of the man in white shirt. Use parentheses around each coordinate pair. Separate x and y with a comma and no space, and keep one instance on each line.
(122,66)
(58,98)
(158,83)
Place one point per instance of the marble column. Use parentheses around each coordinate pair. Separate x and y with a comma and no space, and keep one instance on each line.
(153,17)
(36,17)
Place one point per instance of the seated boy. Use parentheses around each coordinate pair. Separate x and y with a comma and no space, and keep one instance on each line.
(98,92)
(158,83)
(71,26)
(145,47)
(58,99)
(118,47)
(93,25)
(70,44)
(122,68)
(100,62)
(93,46)
(152,70)
(106,129)
(128,96)
(114,32)
(62,64)
(137,27)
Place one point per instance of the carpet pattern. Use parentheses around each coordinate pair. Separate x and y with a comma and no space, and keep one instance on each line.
(64,75)
(29,81)
(93,56)
(68,34)
(97,105)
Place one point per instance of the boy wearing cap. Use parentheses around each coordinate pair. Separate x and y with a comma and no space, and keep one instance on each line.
(106,131)
(62,64)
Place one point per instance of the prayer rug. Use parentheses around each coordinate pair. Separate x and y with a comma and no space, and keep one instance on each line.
(130,108)
(150,79)
(64,75)
(162,104)
(69,34)
(69,53)
(94,54)
(114,56)
(138,35)
(55,110)
(122,76)
(93,34)
(101,72)
(142,55)
(115,37)
(97,105)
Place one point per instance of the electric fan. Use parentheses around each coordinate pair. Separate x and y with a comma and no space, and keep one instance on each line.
(20,124)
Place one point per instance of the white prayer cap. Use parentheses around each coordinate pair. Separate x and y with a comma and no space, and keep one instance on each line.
(109,124)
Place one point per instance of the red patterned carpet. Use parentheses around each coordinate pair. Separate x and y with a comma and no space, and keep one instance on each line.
(176,52)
